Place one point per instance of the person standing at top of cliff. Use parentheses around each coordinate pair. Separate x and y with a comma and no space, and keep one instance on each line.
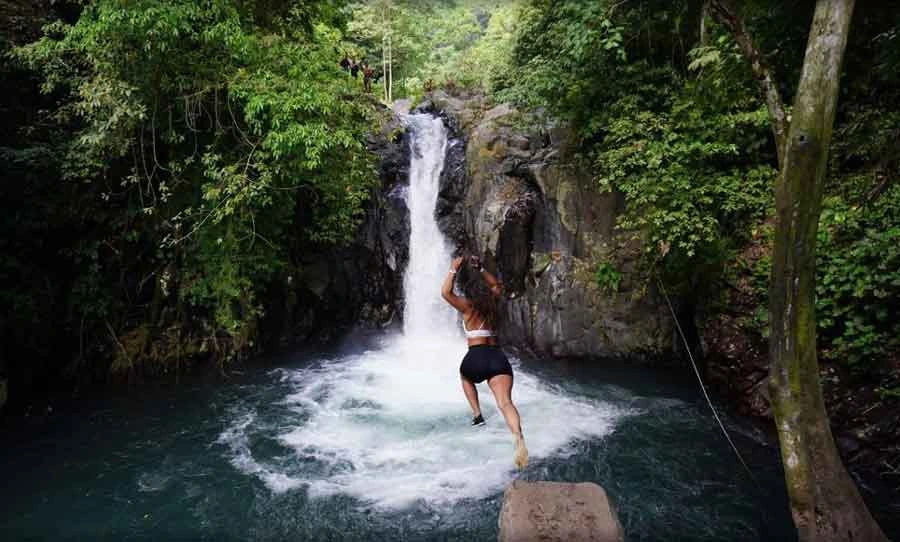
(368,74)
(354,68)
(484,360)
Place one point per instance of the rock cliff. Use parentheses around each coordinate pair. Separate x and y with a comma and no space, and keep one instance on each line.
(511,190)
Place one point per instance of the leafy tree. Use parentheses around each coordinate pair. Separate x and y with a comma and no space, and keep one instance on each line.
(430,41)
(199,136)
(490,58)
(675,115)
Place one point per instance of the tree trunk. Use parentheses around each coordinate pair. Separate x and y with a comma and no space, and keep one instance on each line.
(384,51)
(825,502)
(704,11)
(390,93)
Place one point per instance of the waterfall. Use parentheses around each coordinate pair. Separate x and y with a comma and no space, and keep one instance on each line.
(426,313)
(389,425)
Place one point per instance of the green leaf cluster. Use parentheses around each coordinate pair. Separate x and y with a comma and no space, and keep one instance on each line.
(203,140)
(858,279)
(693,176)
(607,277)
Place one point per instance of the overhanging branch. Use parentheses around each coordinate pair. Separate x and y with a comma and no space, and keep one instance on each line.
(726,14)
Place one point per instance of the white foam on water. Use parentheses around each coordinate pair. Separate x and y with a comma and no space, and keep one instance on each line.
(390,426)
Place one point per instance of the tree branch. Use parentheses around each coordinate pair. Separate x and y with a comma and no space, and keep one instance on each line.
(726,14)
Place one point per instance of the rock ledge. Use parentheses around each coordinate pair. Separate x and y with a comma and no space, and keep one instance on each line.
(556,511)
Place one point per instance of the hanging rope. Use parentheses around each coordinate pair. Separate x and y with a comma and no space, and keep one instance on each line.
(702,387)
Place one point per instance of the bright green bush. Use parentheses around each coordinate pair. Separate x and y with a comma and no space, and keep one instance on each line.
(858,279)
(607,277)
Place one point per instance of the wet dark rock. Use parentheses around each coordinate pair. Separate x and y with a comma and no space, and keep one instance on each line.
(510,191)
(453,181)
(523,203)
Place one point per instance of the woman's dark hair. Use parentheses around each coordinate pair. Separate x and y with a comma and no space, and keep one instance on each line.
(477,291)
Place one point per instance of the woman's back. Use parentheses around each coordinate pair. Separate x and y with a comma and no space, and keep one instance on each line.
(482,330)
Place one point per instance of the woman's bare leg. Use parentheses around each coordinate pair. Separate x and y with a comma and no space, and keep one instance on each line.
(501,386)
(471,395)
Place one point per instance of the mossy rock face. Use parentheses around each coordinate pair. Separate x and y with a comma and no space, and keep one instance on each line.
(541,225)
(568,212)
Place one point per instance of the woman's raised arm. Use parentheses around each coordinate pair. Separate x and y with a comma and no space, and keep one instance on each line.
(458,303)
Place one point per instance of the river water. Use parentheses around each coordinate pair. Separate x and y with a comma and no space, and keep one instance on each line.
(370,440)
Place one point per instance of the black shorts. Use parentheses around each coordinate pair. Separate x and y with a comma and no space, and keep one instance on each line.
(483,362)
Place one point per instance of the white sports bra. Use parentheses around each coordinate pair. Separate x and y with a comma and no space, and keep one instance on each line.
(476,333)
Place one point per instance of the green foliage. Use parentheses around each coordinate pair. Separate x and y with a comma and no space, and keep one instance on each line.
(858,277)
(889,393)
(460,42)
(858,263)
(490,58)
(607,277)
(191,148)
(568,55)
(205,137)
(681,130)
(690,175)
(689,148)
(858,282)
(760,276)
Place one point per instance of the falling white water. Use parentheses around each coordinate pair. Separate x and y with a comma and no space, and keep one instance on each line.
(426,314)
(390,426)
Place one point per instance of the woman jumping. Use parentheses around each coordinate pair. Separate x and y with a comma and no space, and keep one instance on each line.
(485,360)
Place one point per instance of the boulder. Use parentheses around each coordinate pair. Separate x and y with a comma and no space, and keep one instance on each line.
(556,511)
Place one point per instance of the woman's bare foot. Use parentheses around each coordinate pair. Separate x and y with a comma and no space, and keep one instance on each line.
(521,457)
